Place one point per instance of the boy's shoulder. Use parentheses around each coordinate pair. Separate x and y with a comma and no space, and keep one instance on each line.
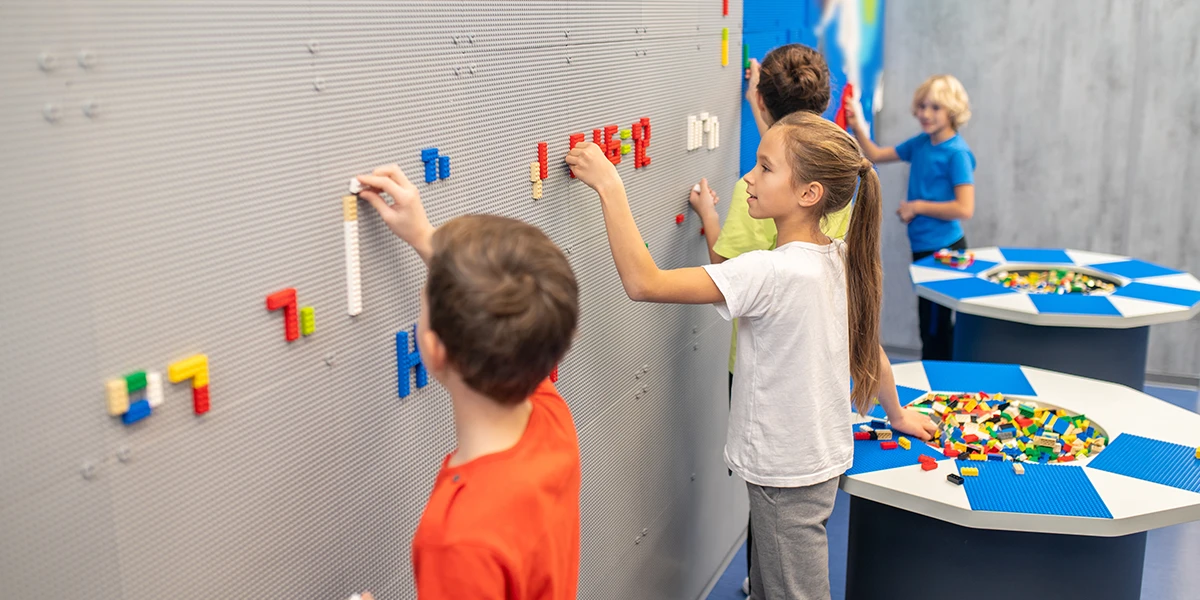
(498,498)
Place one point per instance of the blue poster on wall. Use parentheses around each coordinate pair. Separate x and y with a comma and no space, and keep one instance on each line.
(849,33)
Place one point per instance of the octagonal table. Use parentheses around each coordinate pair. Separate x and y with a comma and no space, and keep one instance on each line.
(1104,336)
(1087,517)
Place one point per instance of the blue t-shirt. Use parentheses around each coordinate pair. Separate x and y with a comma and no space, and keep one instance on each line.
(936,169)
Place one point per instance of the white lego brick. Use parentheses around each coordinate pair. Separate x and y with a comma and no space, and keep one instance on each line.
(691,132)
(154,388)
(355,186)
(353,268)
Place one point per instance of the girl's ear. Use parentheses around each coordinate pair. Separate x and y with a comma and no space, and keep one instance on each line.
(811,194)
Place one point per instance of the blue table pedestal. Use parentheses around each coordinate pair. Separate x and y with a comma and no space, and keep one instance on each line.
(1116,355)
(894,553)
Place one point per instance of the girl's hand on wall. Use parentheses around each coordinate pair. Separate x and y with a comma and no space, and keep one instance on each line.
(752,75)
(702,198)
(588,163)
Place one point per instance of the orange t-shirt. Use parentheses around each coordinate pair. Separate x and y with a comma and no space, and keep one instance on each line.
(506,525)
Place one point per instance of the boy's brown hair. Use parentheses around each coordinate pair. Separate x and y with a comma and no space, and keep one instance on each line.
(503,300)
(794,78)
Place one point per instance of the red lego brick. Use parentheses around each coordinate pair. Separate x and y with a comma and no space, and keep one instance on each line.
(543,160)
(679,219)
(286,299)
(1023,422)
(925,458)
(725,8)
(970,438)
(701,231)
(929,466)
(861,436)
(575,139)
(554,375)
(1066,458)
(200,402)
(637,131)
(598,138)
(888,445)
(645,123)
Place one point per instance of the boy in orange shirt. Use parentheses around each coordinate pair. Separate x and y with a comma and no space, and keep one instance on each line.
(498,312)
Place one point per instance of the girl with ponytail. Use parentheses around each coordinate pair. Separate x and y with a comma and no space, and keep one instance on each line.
(808,322)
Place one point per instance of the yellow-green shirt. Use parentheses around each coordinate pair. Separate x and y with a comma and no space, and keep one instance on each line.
(743,233)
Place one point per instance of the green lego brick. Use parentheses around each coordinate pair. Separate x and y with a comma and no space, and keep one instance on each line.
(308,320)
(135,381)
(745,55)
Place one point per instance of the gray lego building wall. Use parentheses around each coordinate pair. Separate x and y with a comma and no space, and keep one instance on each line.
(170,164)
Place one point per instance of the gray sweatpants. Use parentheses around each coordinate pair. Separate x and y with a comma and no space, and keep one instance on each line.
(790,555)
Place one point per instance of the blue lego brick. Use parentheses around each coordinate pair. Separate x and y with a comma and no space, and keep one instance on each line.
(975,377)
(405,361)
(1043,490)
(443,167)
(868,456)
(1135,269)
(1152,460)
(1159,293)
(966,287)
(429,154)
(137,411)
(1036,255)
(1060,426)
(907,396)
(995,457)
(431,171)
(976,267)
(1074,304)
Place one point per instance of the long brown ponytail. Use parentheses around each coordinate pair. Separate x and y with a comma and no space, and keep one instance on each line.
(821,152)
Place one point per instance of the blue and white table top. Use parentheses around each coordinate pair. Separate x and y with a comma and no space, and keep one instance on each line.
(1148,477)
(1149,294)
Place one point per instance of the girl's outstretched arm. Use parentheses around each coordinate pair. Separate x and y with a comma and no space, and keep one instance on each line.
(641,278)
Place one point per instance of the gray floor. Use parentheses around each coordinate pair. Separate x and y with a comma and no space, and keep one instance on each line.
(1172,554)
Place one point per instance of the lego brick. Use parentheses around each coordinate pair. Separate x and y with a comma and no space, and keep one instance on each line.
(137,411)
(925,458)
(154,388)
(537,190)
(869,456)
(1148,459)
(349,208)
(691,133)
(955,478)
(887,445)
(191,367)
(286,299)
(575,139)
(969,471)
(118,396)
(626,148)
(443,167)
(543,160)
(1018,468)
(725,51)
(626,133)
(431,171)
(355,186)
(554,375)
(1039,491)
(308,321)
(429,154)
(862,435)
(679,219)
(135,381)
(725,8)
(904,443)
(353,267)
(200,401)
(406,361)
(883,434)
(929,466)
(534,172)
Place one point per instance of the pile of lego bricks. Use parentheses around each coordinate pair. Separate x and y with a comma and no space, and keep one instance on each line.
(992,427)
(951,258)
(1057,281)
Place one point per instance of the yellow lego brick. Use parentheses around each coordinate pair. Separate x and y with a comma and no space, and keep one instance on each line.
(349,208)
(977,456)
(535,172)
(984,406)
(308,320)
(969,472)
(1070,438)
(904,443)
(1198,452)
(118,397)
(537,190)
(998,397)
(1020,445)
(1061,413)
(961,447)
(194,367)
(724,53)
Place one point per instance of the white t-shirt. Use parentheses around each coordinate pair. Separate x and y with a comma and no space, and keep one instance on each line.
(790,424)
